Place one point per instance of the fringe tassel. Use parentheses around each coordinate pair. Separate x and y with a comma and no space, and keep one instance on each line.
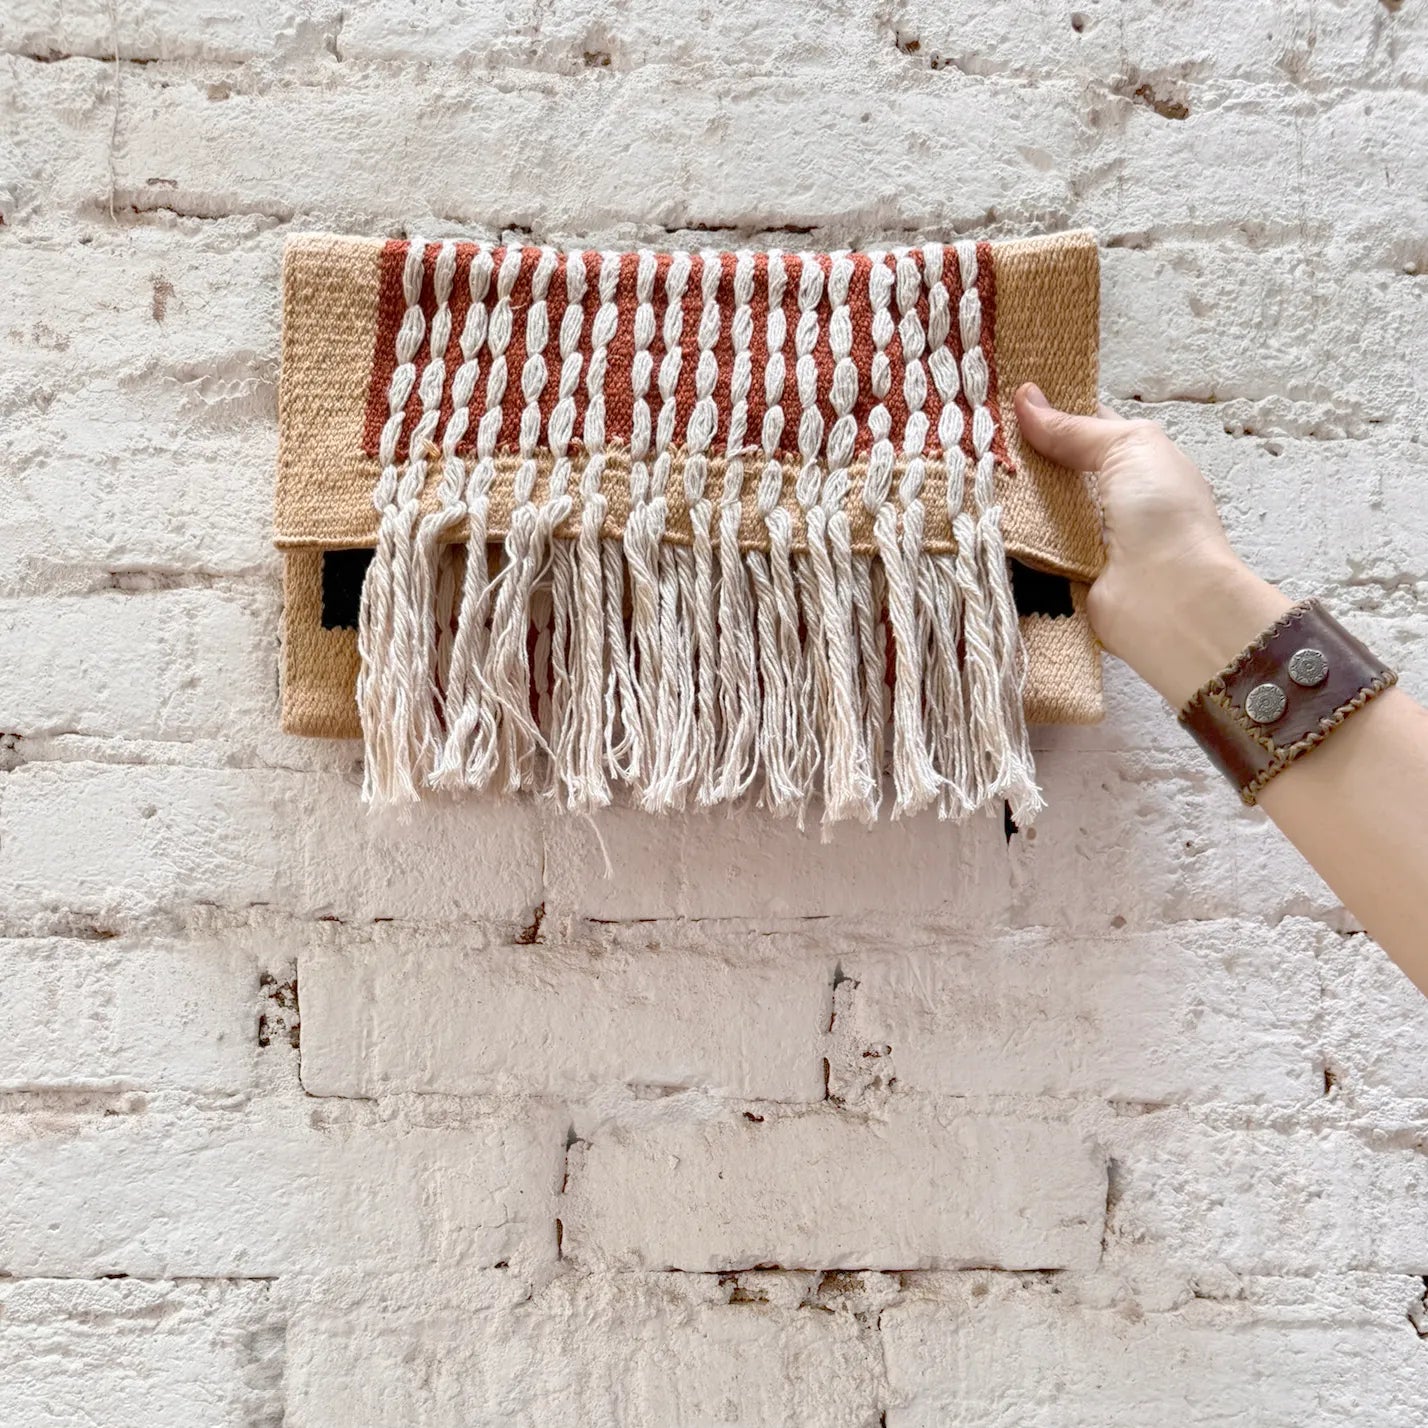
(384,618)
(773,667)
(738,751)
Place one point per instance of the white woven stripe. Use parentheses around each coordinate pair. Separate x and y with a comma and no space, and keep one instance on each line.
(375,623)
(463,708)
(673,728)
(399,389)
(946,375)
(577,614)
(633,691)
(974,360)
(406,694)
(697,583)
(771,433)
(741,332)
(785,739)
(676,280)
(738,659)
(914,777)
(602,333)
(641,370)
(508,668)
(704,418)
(810,422)
(433,377)
(463,384)
(878,481)
(914,374)
(535,372)
(498,338)
(843,392)
(572,357)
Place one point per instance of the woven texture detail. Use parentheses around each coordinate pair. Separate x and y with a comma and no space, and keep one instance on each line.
(745,519)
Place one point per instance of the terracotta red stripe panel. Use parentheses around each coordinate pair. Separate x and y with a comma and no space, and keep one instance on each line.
(618,388)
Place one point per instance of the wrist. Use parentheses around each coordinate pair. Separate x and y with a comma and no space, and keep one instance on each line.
(1207,617)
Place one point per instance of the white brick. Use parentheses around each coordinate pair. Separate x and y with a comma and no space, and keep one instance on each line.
(133,1355)
(832,1190)
(1201,1012)
(128,841)
(1239,317)
(158,1193)
(418,1015)
(708,865)
(1376,1021)
(172,29)
(569,37)
(1279,45)
(1274,45)
(1027,1356)
(911,157)
(91,500)
(1264,181)
(1326,510)
(1152,838)
(1203,1197)
(127,1015)
(1142,837)
(207,657)
(171,312)
(622,1352)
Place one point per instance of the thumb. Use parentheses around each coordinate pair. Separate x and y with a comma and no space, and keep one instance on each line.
(1080,442)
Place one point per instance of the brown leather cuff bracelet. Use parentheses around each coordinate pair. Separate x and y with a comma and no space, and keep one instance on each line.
(1284,695)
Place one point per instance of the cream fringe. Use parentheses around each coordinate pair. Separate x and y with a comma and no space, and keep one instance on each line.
(693,675)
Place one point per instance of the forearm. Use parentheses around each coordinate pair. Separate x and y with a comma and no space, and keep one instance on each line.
(1177,604)
(1356,806)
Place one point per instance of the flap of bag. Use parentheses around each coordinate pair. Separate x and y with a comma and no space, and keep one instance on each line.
(751,363)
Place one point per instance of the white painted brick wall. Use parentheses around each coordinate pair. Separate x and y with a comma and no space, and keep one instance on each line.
(316,1121)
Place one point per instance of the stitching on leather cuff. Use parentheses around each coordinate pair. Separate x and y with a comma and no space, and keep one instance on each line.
(1251,750)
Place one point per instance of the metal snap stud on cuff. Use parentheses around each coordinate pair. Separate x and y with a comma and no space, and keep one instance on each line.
(1265,703)
(1308,667)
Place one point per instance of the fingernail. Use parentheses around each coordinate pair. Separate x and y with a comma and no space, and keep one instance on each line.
(1034,395)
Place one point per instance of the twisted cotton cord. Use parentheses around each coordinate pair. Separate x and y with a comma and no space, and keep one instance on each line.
(416,685)
(471,752)
(981,685)
(848,784)
(960,595)
(510,662)
(641,547)
(866,576)
(934,577)
(565,663)
(1015,776)
(815,695)
(697,567)
(914,778)
(602,579)
(452,490)
(782,732)
(738,659)
(674,697)
(376,621)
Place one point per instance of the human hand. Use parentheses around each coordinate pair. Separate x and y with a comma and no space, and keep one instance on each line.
(1174,601)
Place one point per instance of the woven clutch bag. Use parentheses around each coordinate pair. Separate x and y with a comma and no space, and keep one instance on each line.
(706,526)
